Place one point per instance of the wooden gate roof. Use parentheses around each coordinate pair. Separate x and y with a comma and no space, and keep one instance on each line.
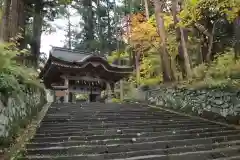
(62,61)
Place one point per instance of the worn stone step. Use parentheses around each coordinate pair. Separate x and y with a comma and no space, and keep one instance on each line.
(133,117)
(60,150)
(109,112)
(139,138)
(113,120)
(141,125)
(148,143)
(229,158)
(101,111)
(70,119)
(114,153)
(128,131)
(133,131)
(124,123)
(153,128)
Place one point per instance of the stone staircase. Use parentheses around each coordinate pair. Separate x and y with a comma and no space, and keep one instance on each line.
(127,131)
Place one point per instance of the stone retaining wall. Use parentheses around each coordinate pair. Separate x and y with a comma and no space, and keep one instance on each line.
(216,104)
(17,111)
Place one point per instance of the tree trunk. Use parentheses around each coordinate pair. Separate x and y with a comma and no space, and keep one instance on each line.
(1,4)
(22,24)
(165,57)
(90,21)
(89,26)
(69,33)
(17,22)
(4,32)
(146,9)
(180,37)
(204,48)
(108,27)
(69,30)
(128,4)
(210,44)
(137,63)
(236,31)
(37,30)
(14,20)
(102,48)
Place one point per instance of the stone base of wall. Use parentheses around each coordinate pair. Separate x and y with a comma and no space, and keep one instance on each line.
(215,104)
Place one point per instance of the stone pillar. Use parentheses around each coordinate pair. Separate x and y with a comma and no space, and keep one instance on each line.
(66,96)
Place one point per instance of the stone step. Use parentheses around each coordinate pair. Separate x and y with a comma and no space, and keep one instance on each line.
(153,128)
(147,143)
(101,111)
(139,138)
(72,119)
(106,120)
(128,131)
(61,150)
(113,114)
(211,151)
(229,158)
(133,117)
(124,123)
(133,131)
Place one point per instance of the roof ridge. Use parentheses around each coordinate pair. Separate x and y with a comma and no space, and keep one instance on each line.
(76,51)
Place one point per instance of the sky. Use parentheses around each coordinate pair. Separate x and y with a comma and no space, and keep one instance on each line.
(53,39)
(57,38)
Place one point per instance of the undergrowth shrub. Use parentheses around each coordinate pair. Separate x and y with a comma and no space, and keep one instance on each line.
(22,95)
(224,71)
(116,100)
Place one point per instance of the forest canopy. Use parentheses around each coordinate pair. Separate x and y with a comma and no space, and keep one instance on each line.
(164,40)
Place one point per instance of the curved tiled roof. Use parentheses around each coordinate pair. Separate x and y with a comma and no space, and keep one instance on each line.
(77,61)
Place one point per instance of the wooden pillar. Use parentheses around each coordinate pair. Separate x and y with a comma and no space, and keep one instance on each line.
(54,96)
(121,90)
(108,89)
(112,89)
(66,96)
(73,98)
(108,92)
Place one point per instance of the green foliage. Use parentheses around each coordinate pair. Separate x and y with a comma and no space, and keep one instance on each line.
(221,68)
(224,71)
(21,94)
(198,10)
(151,81)
(100,24)
(8,84)
(6,55)
(116,56)
(150,70)
(116,100)
(15,77)
(199,72)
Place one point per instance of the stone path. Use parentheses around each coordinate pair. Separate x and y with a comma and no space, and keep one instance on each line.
(113,131)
